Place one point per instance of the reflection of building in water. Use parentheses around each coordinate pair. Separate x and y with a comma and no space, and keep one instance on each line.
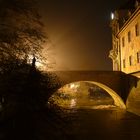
(125,24)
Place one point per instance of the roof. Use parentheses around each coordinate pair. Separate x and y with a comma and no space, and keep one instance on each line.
(123,11)
(130,4)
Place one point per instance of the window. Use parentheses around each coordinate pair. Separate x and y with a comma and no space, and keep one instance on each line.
(123,41)
(138,57)
(129,36)
(124,63)
(130,60)
(137,29)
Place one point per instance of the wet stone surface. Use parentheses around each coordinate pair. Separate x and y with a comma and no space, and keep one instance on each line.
(72,124)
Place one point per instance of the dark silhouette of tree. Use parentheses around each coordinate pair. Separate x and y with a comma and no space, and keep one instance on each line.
(21,32)
(21,39)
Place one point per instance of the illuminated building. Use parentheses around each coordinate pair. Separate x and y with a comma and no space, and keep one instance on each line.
(125,24)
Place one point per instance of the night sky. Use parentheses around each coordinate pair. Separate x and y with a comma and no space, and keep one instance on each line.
(79,32)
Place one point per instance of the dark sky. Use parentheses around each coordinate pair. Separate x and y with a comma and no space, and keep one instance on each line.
(79,31)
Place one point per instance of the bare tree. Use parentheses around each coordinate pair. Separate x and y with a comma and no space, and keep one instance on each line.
(21,32)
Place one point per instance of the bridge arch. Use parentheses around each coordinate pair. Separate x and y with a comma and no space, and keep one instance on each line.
(117,99)
(115,80)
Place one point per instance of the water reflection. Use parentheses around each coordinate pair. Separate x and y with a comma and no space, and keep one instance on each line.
(81,111)
(97,118)
(82,95)
(73,103)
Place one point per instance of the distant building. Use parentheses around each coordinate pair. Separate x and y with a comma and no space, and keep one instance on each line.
(125,24)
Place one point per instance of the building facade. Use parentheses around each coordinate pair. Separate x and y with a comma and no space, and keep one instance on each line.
(125,24)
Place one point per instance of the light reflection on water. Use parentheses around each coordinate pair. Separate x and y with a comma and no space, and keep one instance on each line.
(108,123)
(81,103)
(86,124)
(102,107)
(82,95)
(73,103)
(86,115)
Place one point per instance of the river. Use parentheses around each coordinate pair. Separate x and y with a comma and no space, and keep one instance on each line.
(79,111)
(72,124)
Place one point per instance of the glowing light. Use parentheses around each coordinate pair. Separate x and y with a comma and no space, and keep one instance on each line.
(38,63)
(112,16)
(72,86)
(103,107)
(73,103)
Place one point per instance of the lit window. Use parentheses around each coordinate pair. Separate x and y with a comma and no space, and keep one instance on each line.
(123,41)
(137,29)
(138,57)
(130,60)
(124,63)
(129,36)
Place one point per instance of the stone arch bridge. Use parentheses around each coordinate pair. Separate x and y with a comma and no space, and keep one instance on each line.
(119,82)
